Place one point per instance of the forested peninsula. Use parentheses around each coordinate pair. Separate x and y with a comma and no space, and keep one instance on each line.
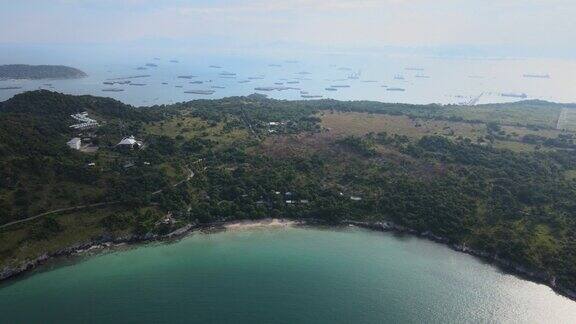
(39,72)
(495,180)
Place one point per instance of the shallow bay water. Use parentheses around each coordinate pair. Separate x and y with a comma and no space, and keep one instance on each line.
(282,275)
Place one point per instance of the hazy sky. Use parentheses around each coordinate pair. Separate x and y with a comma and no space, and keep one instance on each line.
(525,25)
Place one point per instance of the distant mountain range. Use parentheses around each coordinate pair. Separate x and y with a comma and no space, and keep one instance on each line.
(38,72)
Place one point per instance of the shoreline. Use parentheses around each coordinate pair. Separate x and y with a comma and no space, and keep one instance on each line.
(102,243)
(506,266)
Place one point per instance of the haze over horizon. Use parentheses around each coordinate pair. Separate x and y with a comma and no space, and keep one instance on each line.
(487,28)
(471,49)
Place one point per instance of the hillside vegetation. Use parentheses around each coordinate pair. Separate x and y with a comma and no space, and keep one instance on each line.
(504,186)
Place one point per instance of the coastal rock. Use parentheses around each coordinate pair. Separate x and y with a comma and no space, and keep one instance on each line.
(103,241)
(180,231)
(433,237)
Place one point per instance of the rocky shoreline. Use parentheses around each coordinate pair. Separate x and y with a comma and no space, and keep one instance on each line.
(506,265)
(103,242)
(12,272)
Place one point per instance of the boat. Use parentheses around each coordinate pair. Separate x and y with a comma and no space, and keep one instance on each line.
(514,95)
(340,86)
(537,76)
(137,84)
(243,81)
(113,90)
(10,88)
(395,89)
(331,89)
(215,67)
(422,76)
(278,88)
(196,82)
(131,77)
(227,74)
(311,96)
(151,65)
(414,69)
(265,88)
(200,92)
(186,76)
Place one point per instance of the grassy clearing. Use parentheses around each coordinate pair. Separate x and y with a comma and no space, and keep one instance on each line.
(526,113)
(363,123)
(518,146)
(186,126)
(352,123)
(567,119)
(190,127)
(518,132)
(570,175)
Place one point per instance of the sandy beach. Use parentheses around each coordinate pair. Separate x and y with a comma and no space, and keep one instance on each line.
(268,222)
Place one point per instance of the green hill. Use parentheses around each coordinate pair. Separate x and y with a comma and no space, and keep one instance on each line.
(504,188)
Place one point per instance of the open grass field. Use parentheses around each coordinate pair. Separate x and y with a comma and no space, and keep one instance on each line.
(353,123)
(526,113)
(191,127)
(567,119)
(571,175)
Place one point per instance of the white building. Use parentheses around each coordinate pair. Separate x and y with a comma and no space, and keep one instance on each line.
(131,142)
(75,143)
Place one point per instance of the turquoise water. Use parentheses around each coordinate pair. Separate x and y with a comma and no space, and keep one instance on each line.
(294,275)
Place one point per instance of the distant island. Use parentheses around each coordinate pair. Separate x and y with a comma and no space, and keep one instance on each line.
(38,72)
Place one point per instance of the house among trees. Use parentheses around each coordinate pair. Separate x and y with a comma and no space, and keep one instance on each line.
(75,143)
(130,142)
